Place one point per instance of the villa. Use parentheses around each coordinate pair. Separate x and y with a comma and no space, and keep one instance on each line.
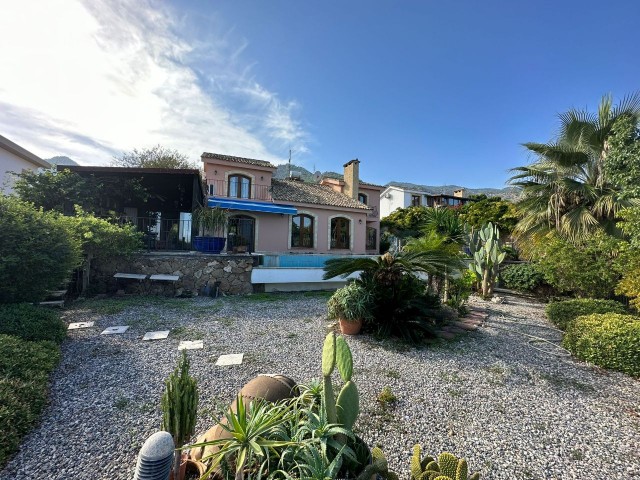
(267,215)
(399,195)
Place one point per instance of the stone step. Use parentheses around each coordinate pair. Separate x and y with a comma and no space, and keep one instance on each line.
(57,293)
(466,325)
(52,303)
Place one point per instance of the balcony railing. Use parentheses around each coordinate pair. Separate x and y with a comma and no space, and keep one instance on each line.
(240,190)
(163,233)
(373,213)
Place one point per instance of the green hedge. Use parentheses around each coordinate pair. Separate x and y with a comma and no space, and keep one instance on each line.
(609,340)
(562,313)
(523,277)
(24,376)
(31,323)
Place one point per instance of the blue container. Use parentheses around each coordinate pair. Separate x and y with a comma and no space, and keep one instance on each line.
(209,244)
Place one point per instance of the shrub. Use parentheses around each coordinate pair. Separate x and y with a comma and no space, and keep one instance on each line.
(629,284)
(351,303)
(562,313)
(31,323)
(610,340)
(524,277)
(38,253)
(24,375)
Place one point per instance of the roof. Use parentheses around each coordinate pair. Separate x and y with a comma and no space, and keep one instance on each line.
(302,192)
(411,187)
(16,149)
(339,176)
(229,158)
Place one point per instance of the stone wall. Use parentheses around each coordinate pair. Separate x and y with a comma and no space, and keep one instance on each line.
(196,271)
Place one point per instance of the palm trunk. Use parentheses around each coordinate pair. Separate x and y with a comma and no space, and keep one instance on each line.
(445,295)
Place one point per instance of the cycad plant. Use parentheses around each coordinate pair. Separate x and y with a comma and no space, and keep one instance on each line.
(566,189)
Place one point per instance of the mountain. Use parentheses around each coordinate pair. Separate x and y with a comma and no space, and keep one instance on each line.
(61,160)
(508,193)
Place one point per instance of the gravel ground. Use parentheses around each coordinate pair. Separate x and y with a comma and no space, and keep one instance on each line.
(515,407)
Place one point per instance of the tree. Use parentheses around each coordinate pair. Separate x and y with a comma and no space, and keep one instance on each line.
(566,188)
(405,222)
(499,212)
(37,250)
(622,164)
(61,190)
(155,157)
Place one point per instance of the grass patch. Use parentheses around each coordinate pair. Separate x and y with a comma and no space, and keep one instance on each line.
(31,323)
(386,398)
(562,382)
(186,333)
(24,376)
(318,294)
(393,374)
(113,306)
(264,297)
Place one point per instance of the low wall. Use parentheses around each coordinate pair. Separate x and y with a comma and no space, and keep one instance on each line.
(196,270)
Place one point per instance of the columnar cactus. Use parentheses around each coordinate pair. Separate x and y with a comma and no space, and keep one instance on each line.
(485,248)
(345,410)
(378,467)
(180,405)
(447,467)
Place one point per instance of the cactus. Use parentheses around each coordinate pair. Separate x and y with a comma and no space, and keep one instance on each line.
(447,467)
(345,410)
(486,257)
(180,405)
(378,467)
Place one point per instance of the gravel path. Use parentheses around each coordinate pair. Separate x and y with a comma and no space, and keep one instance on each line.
(514,409)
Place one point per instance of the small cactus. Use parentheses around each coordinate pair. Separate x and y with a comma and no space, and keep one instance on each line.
(447,467)
(345,410)
(378,467)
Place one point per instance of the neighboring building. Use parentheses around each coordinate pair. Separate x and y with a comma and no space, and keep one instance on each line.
(399,196)
(291,216)
(15,159)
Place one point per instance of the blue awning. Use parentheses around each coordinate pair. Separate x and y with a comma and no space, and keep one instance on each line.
(233,204)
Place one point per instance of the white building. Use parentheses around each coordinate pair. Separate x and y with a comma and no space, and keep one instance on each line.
(396,196)
(15,159)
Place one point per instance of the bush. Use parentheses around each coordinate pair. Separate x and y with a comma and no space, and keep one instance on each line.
(31,323)
(524,277)
(562,313)
(351,303)
(24,376)
(37,251)
(610,340)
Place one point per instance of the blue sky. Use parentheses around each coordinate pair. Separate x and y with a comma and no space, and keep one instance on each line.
(421,91)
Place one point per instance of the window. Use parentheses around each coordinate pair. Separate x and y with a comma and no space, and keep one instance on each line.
(302,231)
(362,198)
(340,232)
(372,238)
(415,200)
(239,186)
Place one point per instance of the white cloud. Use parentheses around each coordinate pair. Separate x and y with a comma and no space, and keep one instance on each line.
(90,79)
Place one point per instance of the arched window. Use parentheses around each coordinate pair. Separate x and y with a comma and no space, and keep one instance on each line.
(302,231)
(362,197)
(340,237)
(239,186)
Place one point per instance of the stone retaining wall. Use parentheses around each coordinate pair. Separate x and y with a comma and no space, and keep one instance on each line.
(196,271)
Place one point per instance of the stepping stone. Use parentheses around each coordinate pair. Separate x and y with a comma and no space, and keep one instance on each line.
(466,325)
(114,330)
(76,325)
(191,345)
(231,359)
(159,335)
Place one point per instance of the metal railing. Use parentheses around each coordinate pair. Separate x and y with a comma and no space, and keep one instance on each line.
(239,190)
(163,233)
(373,213)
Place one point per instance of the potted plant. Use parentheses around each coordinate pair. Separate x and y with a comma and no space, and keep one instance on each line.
(179,408)
(212,225)
(351,305)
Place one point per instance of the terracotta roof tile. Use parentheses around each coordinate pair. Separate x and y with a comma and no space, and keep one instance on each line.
(297,191)
(229,158)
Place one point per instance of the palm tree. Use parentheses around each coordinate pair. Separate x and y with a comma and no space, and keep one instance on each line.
(566,188)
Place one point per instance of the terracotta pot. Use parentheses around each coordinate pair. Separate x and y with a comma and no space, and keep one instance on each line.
(350,327)
(194,467)
(183,466)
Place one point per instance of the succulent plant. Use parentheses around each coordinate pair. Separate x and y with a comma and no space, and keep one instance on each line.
(345,409)
(484,245)
(447,467)
(378,467)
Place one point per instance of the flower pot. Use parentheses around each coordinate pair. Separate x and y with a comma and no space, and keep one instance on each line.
(209,244)
(182,470)
(350,327)
(194,468)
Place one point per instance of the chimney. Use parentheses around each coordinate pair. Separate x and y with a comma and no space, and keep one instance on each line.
(352,178)
(458,193)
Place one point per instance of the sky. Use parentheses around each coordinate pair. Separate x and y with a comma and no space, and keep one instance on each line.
(429,92)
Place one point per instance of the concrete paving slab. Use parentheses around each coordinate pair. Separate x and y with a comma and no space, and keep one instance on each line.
(115,330)
(159,335)
(76,325)
(191,345)
(230,359)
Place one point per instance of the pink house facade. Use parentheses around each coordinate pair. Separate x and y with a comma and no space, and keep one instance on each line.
(335,216)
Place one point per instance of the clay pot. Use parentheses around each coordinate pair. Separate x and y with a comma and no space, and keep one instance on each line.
(183,466)
(350,327)
(272,388)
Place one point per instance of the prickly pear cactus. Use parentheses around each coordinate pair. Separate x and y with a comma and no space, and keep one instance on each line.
(447,467)
(486,257)
(345,410)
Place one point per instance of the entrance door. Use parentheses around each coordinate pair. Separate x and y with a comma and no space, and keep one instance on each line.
(241,232)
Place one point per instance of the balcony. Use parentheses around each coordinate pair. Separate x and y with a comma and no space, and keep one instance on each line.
(242,190)
(373,213)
